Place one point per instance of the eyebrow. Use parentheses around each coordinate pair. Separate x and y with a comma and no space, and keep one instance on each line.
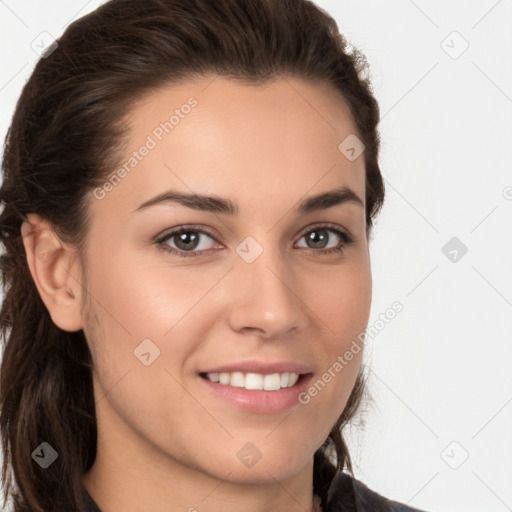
(216,204)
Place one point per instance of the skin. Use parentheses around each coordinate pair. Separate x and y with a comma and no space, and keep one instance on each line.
(164,442)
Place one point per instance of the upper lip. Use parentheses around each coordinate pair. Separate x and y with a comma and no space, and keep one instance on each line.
(263,367)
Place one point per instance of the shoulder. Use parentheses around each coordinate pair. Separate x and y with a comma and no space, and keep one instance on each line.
(347,494)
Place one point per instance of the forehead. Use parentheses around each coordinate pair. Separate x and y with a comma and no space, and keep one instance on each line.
(252,142)
(228,104)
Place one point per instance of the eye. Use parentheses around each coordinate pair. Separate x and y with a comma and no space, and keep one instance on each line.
(186,240)
(321,241)
(189,241)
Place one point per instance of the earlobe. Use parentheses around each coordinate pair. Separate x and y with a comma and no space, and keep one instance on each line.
(54,269)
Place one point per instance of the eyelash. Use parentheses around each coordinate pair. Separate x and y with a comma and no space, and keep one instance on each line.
(346,240)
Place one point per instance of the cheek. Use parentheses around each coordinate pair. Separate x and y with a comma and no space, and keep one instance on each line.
(342,300)
(147,313)
(140,297)
(134,303)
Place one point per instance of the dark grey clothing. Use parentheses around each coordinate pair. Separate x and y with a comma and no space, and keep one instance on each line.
(346,494)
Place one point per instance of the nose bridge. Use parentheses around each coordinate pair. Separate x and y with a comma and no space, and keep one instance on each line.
(265,297)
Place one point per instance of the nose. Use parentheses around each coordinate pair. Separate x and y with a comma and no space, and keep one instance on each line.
(266,297)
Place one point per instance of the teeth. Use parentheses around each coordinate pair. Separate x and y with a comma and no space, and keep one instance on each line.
(224,378)
(271,382)
(253,381)
(293,379)
(237,379)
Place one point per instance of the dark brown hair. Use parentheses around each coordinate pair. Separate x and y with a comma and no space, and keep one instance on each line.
(65,138)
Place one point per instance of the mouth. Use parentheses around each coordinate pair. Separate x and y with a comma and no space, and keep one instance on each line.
(255,381)
(263,393)
(257,386)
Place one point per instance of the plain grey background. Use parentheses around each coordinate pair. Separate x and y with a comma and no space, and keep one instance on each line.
(438,435)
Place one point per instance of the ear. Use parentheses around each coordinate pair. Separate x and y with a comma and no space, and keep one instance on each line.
(55,270)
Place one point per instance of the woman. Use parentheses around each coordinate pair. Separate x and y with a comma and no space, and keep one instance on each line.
(189,190)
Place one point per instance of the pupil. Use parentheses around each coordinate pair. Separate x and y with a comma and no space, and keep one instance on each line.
(318,238)
(187,240)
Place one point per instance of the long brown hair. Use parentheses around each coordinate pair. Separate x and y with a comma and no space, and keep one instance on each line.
(65,138)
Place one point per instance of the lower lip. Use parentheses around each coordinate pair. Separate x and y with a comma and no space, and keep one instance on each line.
(259,401)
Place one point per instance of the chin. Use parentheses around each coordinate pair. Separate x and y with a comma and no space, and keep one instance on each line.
(263,475)
(249,466)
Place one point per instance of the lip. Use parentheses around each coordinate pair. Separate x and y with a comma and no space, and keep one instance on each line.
(265,368)
(258,401)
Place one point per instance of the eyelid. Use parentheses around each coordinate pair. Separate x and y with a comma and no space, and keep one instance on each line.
(328,226)
(184,228)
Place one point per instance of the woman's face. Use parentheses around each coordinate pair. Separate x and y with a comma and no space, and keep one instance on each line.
(255,285)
